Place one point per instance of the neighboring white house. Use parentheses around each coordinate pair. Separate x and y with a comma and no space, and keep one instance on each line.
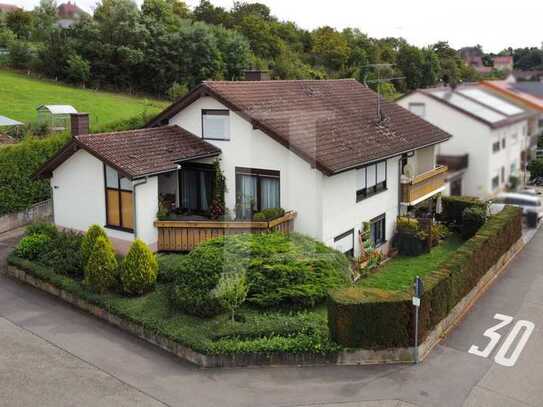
(319,148)
(489,134)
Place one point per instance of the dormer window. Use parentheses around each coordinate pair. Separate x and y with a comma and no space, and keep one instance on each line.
(216,124)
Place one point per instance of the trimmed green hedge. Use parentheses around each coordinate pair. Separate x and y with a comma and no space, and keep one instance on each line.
(453,208)
(18,162)
(378,319)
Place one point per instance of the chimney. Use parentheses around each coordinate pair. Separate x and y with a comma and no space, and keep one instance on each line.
(79,124)
(256,75)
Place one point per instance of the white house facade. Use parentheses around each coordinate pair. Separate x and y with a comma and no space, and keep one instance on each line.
(337,167)
(487,130)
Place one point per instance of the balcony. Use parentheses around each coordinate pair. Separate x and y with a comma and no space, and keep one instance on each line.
(423,186)
(183,236)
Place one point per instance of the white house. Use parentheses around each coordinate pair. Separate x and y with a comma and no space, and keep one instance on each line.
(319,148)
(489,134)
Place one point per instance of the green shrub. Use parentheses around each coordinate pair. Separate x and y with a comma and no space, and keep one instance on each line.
(89,240)
(282,271)
(231,291)
(378,319)
(42,228)
(101,267)
(63,253)
(268,214)
(169,265)
(453,208)
(18,162)
(139,270)
(31,247)
(474,218)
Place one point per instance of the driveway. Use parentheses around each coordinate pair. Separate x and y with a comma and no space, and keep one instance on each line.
(54,355)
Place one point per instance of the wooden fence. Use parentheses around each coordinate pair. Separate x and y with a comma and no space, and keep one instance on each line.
(183,236)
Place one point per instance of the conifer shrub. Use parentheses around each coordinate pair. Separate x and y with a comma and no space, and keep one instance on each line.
(89,240)
(139,269)
(31,247)
(101,268)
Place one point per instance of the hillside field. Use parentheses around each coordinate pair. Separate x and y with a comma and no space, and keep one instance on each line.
(21,95)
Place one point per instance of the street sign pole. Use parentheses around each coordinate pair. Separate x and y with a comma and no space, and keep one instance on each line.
(419,289)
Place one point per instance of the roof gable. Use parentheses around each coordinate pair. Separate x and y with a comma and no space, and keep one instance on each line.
(332,124)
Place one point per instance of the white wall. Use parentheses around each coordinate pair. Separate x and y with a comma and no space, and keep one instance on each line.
(146,197)
(79,195)
(341,212)
(301,185)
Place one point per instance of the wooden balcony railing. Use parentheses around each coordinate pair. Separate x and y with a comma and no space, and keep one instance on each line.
(183,236)
(423,184)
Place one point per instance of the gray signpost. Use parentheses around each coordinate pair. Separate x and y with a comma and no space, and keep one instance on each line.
(419,290)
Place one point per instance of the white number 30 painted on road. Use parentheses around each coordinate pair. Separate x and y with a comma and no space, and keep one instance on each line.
(526,326)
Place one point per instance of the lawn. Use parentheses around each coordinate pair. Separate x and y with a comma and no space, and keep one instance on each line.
(399,273)
(21,95)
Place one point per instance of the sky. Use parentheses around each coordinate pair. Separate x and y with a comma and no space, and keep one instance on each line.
(495,24)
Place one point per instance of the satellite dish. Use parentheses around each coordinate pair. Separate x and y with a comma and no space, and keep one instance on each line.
(408,170)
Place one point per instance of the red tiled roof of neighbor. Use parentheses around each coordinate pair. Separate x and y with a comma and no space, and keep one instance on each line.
(8,8)
(333,124)
(137,153)
(508,59)
(69,10)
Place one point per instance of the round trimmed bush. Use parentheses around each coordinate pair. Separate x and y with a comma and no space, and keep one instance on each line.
(89,240)
(282,271)
(33,246)
(139,270)
(101,268)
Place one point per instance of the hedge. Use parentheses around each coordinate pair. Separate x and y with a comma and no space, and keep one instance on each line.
(377,319)
(18,162)
(453,208)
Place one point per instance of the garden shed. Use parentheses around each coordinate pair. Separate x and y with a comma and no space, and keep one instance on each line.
(57,117)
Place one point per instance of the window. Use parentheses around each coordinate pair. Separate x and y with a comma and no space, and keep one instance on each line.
(196,187)
(371,180)
(377,230)
(496,147)
(345,243)
(503,174)
(256,190)
(216,124)
(495,182)
(514,137)
(119,202)
(418,108)
(503,143)
(513,168)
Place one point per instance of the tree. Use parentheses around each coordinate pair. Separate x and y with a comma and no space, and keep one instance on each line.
(78,69)
(210,14)
(430,69)
(235,52)
(20,22)
(410,62)
(330,48)
(139,269)
(231,291)
(20,55)
(101,268)
(45,17)
(243,9)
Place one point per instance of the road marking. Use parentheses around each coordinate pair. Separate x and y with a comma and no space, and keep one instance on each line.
(501,358)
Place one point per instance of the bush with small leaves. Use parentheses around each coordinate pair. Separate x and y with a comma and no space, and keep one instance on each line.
(89,240)
(40,228)
(31,247)
(232,291)
(139,270)
(474,218)
(101,268)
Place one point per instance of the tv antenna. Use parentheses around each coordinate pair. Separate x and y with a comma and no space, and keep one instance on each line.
(379,80)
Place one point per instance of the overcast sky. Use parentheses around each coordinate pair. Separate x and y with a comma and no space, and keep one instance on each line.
(493,24)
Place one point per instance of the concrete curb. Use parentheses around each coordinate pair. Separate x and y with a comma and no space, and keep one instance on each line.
(346,357)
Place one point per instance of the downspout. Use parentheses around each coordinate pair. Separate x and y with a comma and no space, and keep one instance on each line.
(135,214)
(177,193)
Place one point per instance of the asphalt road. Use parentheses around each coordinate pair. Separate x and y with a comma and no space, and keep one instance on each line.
(54,355)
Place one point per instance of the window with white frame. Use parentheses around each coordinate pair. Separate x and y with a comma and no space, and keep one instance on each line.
(513,168)
(216,124)
(370,180)
(496,182)
(514,138)
(345,243)
(496,147)
(418,108)
(503,143)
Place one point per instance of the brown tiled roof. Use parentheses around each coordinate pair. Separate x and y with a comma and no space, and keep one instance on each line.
(333,124)
(8,8)
(137,153)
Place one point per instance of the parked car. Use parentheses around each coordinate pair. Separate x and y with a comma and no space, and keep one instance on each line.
(536,181)
(529,191)
(528,203)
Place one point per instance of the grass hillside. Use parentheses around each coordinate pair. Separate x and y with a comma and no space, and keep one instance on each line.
(21,95)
